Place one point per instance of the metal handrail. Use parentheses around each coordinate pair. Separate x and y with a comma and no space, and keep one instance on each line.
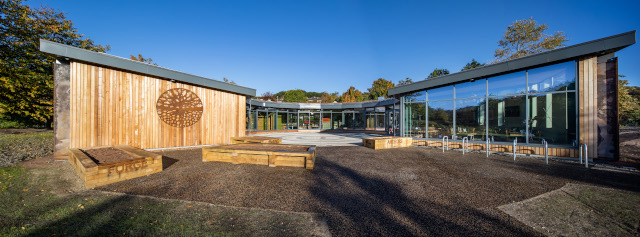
(546,151)
(443,143)
(488,147)
(463,143)
(586,155)
(515,144)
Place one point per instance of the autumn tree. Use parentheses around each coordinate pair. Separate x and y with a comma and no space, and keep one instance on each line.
(526,37)
(472,64)
(629,106)
(295,96)
(406,81)
(438,72)
(329,98)
(267,96)
(227,81)
(380,88)
(351,95)
(141,59)
(26,74)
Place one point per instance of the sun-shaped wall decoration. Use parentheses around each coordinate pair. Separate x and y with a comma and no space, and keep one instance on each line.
(179,107)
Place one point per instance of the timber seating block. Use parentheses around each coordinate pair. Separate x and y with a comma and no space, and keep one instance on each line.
(93,174)
(272,155)
(387,142)
(255,139)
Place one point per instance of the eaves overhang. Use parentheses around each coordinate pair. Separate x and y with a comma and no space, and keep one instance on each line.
(354,105)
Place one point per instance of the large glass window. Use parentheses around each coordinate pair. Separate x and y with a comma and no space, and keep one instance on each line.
(557,77)
(315,119)
(477,88)
(442,93)
(470,119)
(507,118)
(326,119)
(416,125)
(440,119)
(553,118)
(508,84)
(416,96)
(293,120)
(337,120)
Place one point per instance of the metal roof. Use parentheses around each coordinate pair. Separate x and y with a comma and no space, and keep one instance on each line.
(135,66)
(600,46)
(353,105)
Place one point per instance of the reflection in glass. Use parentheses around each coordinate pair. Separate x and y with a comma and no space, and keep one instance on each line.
(303,120)
(512,83)
(471,89)
(293,120)
(348,120)
(470,119)
(507,117)
(315,120)
(281,119)
(440,119)
(416,96)
(557,77)
(326,120)
(442,93)
(416,124)
(337,120)
(359,122)
(553,118)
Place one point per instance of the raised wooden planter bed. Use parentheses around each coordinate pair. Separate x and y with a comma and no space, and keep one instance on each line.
(273,155)
(255,139)
(99,166)
(386,142)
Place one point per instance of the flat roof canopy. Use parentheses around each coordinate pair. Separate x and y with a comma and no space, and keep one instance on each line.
(67,51)
(598,47)
(353,105)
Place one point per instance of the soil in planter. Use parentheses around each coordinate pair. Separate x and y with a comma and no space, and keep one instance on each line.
(251,147)
(108,155)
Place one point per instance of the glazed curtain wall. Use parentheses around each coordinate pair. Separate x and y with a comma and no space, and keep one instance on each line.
(271,119)
(528,105)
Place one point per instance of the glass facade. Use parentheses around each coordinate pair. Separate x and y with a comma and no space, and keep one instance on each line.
(529,106)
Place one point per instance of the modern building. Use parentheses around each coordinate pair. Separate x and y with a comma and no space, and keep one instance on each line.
(566,97)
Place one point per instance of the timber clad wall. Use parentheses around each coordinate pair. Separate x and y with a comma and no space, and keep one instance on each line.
(587,102)
(112,107)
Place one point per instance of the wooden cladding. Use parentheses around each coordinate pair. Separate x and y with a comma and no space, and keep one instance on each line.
(587,102)
(112,107)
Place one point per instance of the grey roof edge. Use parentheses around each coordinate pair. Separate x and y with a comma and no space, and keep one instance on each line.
(134,66)
(604,45)
(353,105)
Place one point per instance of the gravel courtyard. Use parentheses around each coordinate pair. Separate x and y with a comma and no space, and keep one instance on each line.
(360,191)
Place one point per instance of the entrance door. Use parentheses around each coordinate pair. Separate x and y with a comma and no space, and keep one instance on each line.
(304,121)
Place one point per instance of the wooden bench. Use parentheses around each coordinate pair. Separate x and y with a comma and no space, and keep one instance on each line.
(255,139)
(273,155)
(387,142)
(94,174)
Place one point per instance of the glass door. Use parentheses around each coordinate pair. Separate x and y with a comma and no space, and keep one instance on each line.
(304,121)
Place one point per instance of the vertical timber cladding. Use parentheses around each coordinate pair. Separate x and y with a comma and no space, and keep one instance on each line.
(113,107)
(608,124)
(587,103)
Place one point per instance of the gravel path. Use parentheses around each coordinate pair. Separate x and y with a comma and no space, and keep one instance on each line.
(395,192)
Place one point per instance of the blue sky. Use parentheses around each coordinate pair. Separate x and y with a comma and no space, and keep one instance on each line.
(331,45)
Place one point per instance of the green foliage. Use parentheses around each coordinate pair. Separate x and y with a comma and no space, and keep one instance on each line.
(268,96)
(472,64)
(629,105)
(438,72)
(295,96)
(380,88)
(351,95)
(26,80)
(406,81)
(526,37)
(329,98)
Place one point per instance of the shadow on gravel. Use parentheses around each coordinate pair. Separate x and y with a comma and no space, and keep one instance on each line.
(576,172)
(167,161)
(375,207)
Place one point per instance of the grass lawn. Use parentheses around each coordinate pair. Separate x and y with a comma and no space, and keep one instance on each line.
(29,207)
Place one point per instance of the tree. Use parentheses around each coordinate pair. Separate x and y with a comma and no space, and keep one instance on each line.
(629,106)
(380,88)
(329,98)
(295,96)
(227,81)
(26,78)
(438,72)
(142,59)
(351,95)
(406,81)
(526,37)
(472,64)
(267,96)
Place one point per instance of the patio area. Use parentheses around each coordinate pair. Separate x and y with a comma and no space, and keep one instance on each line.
(395,192)
(320,138)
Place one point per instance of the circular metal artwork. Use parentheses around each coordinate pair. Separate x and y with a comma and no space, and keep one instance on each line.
(179,107)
